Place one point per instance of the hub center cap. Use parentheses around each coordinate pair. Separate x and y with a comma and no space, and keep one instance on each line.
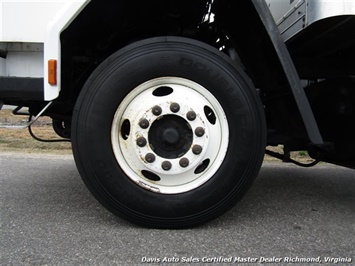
(171,136)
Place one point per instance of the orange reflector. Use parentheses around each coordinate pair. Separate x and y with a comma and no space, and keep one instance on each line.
(52,72)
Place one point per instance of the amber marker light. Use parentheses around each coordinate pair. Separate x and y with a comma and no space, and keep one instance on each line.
(52,72)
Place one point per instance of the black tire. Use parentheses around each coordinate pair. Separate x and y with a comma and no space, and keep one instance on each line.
(144,61)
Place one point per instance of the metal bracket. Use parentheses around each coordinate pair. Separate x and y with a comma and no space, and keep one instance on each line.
(24,126)
(289,68)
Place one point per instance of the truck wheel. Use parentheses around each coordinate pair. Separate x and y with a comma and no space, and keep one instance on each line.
(168,133)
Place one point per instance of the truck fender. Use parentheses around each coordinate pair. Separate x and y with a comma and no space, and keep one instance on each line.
(52,46)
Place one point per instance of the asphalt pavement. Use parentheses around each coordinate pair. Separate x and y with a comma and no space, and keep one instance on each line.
(291,216)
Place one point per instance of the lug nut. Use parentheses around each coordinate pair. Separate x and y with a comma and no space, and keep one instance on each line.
(166,165)
(200,131)
(141,142)
(191,115)
(175,107)
(184,162)
(196,149)
(150,158)
(157,110)
(144,123)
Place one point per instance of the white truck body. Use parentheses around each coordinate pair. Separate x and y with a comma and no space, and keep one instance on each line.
(30,30)
(30,36)
(27,21)
(293,16)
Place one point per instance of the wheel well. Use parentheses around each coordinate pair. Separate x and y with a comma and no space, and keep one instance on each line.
(104,27)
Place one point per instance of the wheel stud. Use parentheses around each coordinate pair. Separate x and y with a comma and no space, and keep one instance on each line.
(141,142)
(144,123)
(166,165)
(150,158)
(175,107)
(157,110)
(200,131)
(184,162)
(191,115)
(196,149)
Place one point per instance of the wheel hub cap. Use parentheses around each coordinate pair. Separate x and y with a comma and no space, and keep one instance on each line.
(170,137)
